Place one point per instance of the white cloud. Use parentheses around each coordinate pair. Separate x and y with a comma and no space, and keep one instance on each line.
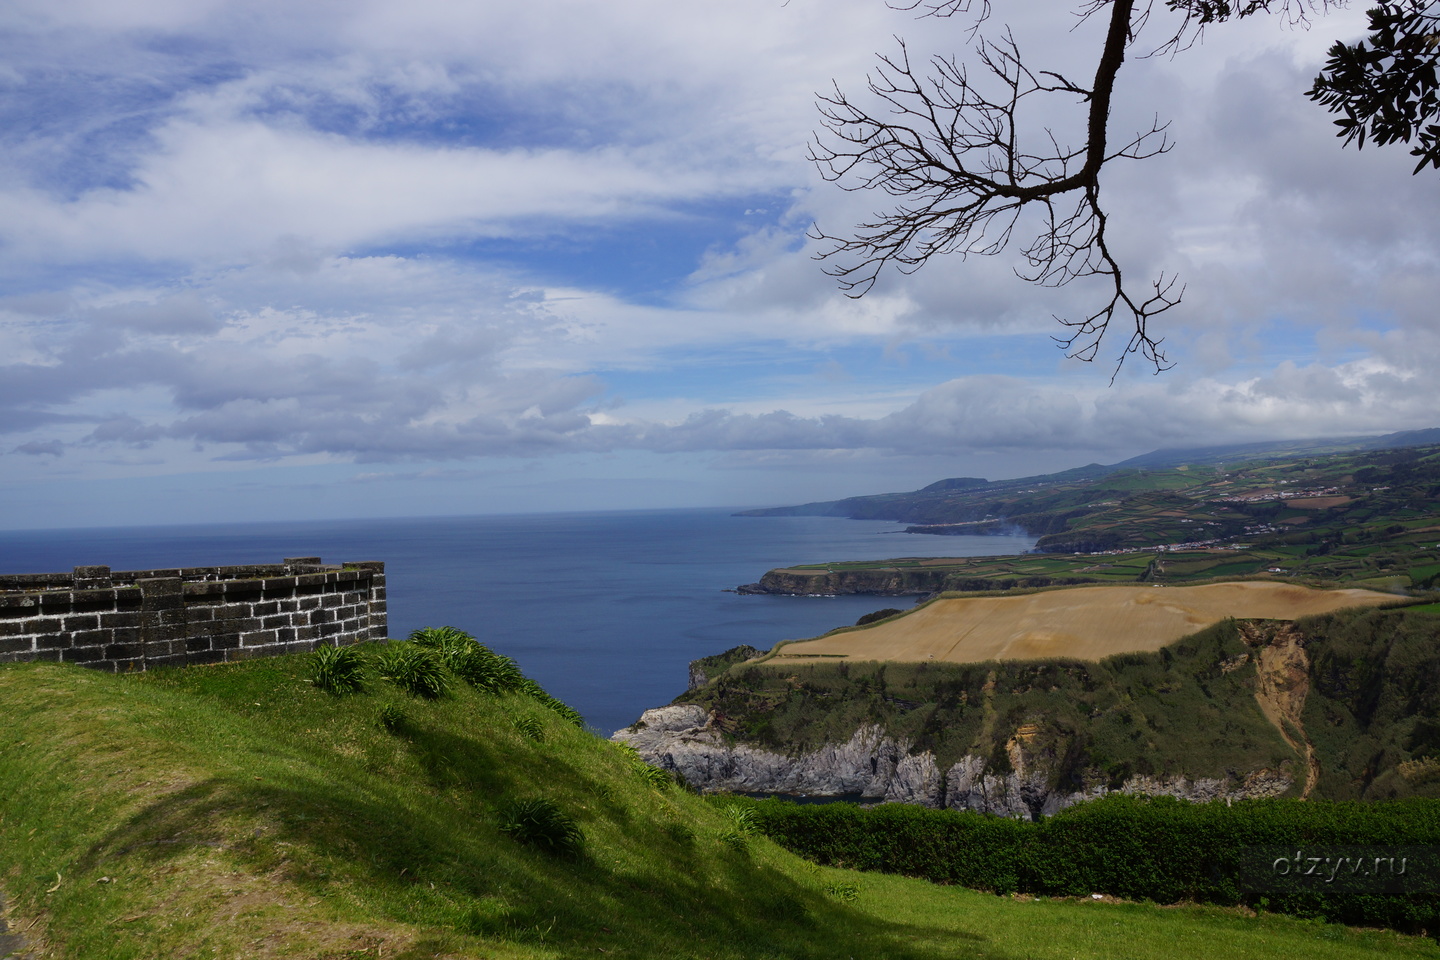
(319,232)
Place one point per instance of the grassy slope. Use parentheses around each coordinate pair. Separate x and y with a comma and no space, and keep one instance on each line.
(233,811)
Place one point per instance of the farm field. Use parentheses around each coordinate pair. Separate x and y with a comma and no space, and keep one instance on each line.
(1086,623)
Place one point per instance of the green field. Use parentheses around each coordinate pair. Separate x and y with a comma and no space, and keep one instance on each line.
(236,811)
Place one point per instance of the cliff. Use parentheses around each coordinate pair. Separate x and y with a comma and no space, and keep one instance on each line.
(1336,707)
(873,766)
(890,581)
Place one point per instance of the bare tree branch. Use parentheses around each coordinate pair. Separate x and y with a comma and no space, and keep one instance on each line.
(952,154)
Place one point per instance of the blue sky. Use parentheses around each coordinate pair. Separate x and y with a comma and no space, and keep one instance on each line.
(309,259)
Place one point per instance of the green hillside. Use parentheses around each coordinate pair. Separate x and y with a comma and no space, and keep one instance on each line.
(1369,517)
(238,811)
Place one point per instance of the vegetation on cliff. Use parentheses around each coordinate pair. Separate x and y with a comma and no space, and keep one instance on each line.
(1189,709)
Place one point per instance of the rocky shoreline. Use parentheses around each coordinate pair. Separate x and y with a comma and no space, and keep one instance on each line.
(683,738)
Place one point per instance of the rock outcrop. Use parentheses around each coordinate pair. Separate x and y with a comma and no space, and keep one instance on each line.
(876,767)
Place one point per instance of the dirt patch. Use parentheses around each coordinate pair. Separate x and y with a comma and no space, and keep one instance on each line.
(12,944)
(1085,623)
(1282,681)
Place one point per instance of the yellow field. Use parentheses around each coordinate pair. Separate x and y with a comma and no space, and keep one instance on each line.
(1086,623)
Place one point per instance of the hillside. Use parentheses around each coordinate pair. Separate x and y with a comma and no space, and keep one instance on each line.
(237,811)
(1368,517)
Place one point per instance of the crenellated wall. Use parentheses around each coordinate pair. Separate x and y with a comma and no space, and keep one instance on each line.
(137,619)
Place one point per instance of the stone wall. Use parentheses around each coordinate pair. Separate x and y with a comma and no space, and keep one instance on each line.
(137,619)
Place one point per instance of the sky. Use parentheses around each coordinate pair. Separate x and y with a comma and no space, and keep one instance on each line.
(312,259)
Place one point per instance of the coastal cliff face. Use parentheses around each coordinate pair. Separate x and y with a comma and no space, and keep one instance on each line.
(888,582)
(879,768)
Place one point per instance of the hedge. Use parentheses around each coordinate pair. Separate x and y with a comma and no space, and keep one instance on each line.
(1374,864)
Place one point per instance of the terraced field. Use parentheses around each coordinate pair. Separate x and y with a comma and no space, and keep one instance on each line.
(1086,623)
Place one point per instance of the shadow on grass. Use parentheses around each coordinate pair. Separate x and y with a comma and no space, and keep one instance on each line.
(454,876)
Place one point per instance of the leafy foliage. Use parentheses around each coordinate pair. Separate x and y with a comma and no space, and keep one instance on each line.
(1389,92)
(416,670)
(1158,849)
(541,824)
(337,670)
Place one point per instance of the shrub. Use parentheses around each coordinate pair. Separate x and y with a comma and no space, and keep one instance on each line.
(337,670)
(440,638)
(392,718)
(541,824)
(1382,858)
(485,669)
(416,670)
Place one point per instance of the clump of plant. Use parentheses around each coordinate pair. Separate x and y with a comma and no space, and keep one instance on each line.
(391,718)
(337,670)
(844,892)
(485,669)
(567,713)
(416,670)
(440,638)
(530,727)
(741,818)
(541,824)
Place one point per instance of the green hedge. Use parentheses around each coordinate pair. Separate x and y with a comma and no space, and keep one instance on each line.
(1363,864)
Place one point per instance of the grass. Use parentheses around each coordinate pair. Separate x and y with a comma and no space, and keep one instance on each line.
(237,811)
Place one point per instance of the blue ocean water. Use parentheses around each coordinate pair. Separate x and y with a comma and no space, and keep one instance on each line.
(606,610)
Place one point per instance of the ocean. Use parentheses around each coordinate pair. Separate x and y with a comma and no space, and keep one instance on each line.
(605,610)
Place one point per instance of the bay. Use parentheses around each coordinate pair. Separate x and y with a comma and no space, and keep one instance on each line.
(605,610)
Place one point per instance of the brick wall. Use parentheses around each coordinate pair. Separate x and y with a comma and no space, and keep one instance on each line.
(136,619)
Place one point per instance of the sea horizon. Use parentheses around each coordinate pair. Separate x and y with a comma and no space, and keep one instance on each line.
(606,609)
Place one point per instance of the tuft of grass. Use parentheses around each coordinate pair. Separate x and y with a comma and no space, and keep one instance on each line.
(485,669)
(391,718)
(743,818)
(530,727)
(648,772)
(416,670)
(337,670)
(539,823)
(440,638)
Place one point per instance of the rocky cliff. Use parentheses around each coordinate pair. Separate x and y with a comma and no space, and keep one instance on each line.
(889,582)
(876,767)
